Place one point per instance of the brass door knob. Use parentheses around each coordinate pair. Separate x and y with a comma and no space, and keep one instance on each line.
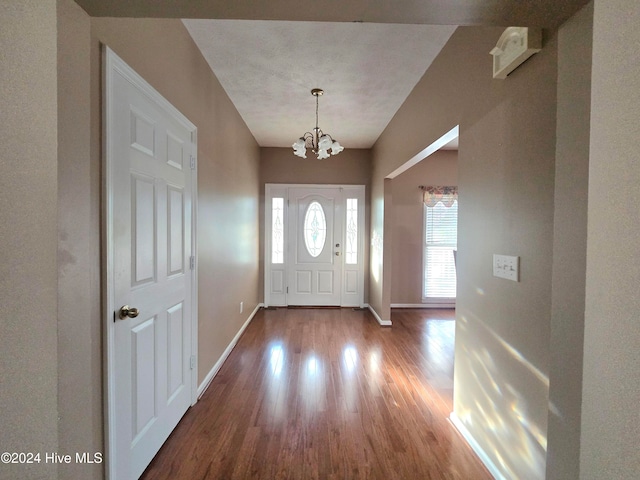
(127,311)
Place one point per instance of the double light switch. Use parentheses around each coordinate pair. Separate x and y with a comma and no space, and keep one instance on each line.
(506,266)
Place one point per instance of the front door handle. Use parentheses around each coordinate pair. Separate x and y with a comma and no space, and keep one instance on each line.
(127,311)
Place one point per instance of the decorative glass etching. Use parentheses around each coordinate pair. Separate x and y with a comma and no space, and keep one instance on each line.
(351,252)
(277,230)
(315,229)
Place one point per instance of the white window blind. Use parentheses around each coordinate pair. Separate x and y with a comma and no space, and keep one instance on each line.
(441,239)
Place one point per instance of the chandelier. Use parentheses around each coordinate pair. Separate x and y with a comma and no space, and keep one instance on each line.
(318,141)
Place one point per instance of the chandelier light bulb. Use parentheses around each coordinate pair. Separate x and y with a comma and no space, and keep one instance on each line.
(322,154)
(325,142)
(299,148)
(336,148)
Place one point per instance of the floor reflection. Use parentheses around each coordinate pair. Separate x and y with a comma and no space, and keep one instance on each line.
(350,357)
(438,343)
(327,393)
(276,359)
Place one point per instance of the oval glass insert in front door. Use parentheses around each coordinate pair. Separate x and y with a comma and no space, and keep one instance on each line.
(315,229)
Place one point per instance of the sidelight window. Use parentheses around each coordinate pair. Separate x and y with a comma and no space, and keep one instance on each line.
(351,253)
(277,230)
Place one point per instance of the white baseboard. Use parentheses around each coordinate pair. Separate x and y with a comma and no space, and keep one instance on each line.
(423,305)
(484,458)
(383,323)
(212,373)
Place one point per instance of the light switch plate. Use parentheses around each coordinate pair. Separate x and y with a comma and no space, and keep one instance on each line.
(506,266)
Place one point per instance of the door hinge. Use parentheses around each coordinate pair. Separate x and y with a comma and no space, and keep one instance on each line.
(193,162)
(287,289)
(192,362)
(192,262)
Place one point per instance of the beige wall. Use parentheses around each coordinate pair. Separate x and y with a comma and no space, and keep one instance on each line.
(79,327)
(48,369)
(280,165)
(440,168)
(28,237)
(569,246)
(610,423)
(435,106)
(228,166)
(506,188)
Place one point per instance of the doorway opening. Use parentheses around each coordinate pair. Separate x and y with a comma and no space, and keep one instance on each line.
(423,219)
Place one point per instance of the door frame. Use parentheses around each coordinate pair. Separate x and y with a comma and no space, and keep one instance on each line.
(278,297)
(112,65)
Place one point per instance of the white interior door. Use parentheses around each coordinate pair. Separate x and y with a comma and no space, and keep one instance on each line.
(149,238)
(315,246)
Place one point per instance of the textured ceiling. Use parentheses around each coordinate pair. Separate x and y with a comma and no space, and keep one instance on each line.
(367,55)
(268,69)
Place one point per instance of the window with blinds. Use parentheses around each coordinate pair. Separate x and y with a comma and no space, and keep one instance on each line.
(441,239)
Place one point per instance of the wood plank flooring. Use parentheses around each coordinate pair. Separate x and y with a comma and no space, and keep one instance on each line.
(327,394)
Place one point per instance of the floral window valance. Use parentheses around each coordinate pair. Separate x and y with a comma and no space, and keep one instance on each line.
(433,195)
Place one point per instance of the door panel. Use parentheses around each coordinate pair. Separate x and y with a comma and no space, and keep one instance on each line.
(315,233)
(176,235)
(175,350)
(325,281)
(302,284)
(144,374)
(143,234)
(351,282)
(150,234)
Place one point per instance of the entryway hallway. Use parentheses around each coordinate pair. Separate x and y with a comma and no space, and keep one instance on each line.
(327,394)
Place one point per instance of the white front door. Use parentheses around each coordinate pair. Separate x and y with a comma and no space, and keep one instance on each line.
(149,248)
(315,240)
(314,245)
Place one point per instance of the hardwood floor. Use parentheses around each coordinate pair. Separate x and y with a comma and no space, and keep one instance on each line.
(327,394)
